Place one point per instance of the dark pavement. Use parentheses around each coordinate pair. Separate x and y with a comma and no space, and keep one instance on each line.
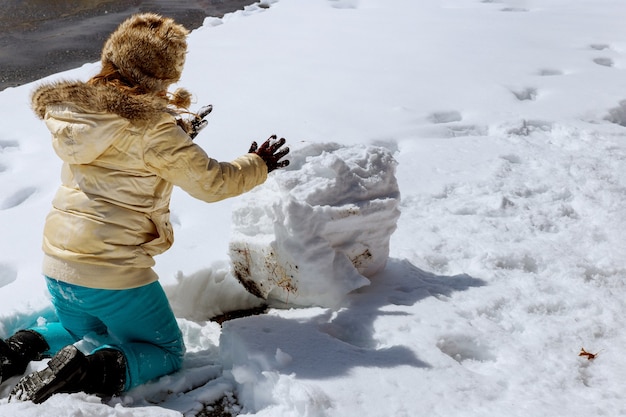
(43,37)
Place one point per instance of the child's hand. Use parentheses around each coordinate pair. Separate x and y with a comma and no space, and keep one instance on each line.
(271,153)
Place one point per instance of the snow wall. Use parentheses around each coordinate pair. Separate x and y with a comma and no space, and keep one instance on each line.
(319,228)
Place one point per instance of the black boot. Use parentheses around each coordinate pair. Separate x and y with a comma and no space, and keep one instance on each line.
(103,373)
(18,350)
(64,371)
(107,373)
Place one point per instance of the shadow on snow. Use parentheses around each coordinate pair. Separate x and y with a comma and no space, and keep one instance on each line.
(331,343)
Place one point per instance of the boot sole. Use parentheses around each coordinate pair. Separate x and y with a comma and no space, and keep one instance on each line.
(60,373)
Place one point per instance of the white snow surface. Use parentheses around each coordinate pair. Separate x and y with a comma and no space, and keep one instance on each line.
(507,122)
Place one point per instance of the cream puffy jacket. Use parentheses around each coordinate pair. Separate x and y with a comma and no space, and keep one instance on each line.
(122,155)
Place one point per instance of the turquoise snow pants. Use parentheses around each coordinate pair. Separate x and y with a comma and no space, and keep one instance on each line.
(138,321)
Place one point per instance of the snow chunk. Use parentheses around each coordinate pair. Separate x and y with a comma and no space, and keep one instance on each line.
(263,365)
(208,293)
(314,231)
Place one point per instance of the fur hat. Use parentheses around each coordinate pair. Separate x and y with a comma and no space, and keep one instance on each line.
(149,50)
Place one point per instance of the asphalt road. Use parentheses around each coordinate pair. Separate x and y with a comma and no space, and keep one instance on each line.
(43,37)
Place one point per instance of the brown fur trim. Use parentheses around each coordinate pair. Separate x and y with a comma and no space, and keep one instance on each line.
(92,98)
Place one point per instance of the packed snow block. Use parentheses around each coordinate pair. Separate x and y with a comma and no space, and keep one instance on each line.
(318,229)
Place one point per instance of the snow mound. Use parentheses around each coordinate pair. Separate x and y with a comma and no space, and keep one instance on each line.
(208,293)
(317,230)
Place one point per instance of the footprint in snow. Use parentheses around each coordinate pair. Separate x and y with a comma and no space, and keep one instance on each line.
(17,198)
(349,331)
(445,117)
(463,347)
(405,295)
(604,61)
(527,127)
(512,158)
(617,114)
(344,4)
(528,93)
(8,274)
(8,144)
(549,72)
(514,9)
(457,131)
(516,262)
(599,46)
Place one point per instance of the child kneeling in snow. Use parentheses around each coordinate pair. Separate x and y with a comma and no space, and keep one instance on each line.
(124,146)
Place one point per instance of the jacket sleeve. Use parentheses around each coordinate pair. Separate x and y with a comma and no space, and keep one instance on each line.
(173,156)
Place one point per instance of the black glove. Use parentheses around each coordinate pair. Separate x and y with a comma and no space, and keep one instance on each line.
(271,153)
(197,123)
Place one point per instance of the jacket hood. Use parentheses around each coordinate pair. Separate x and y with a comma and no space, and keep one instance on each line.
(97,98)
(84,120)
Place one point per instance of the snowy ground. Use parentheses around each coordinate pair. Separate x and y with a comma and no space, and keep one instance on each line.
(507,122)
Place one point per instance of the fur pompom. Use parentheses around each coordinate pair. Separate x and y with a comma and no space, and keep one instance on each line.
(181,98)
